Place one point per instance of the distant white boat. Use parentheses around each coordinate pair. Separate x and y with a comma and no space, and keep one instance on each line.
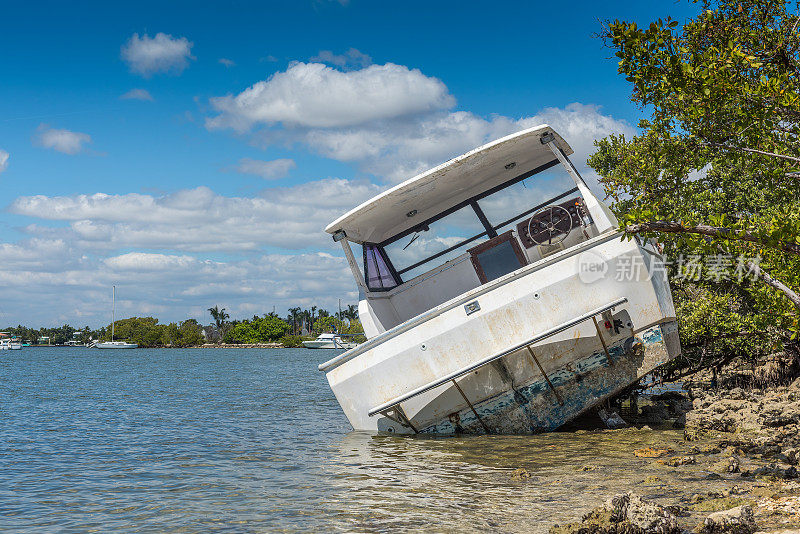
(329,341)
(9,343)
(114,344)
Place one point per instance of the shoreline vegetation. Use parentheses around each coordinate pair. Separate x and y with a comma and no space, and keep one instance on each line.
(265,331)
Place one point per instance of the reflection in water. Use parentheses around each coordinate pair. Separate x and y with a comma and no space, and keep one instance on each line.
(439,483)
(253,440)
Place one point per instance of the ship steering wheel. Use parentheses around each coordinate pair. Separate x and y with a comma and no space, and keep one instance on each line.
(549,222)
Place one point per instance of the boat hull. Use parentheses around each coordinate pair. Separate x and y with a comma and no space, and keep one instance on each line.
(328,345)
(511,394)
(116,345)
(533,407)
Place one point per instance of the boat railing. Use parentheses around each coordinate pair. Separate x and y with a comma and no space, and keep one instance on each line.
(393,411)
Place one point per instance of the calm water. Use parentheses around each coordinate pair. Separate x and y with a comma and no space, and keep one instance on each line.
(251,440)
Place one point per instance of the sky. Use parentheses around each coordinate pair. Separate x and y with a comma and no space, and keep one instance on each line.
(192,153)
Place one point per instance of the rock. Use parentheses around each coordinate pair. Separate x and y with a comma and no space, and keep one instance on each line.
(656,413)
(709,448)
(520,473)
(645,515)
(733,464)
(774,471)
(738,490)
(696,498)
(611,419)
(625,514)
(588,467)
(792,456)
(795,386)
(676,461)
(680,422)
(650,452)
(737,520)
(779,420)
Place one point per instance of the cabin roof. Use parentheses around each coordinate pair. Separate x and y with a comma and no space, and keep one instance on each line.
(447,185)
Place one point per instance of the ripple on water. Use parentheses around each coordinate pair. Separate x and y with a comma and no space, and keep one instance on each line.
(253,440)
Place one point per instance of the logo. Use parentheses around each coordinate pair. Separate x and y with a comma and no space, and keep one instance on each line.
(591,267)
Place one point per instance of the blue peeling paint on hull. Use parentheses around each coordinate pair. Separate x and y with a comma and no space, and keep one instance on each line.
(534,408)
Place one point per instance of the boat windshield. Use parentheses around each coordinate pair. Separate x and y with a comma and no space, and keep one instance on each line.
(444,239)
(450,234)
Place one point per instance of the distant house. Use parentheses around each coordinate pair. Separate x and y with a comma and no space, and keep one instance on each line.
(43,340)
(212,334)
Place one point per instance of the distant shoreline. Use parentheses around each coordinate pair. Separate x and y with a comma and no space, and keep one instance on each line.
(205,346)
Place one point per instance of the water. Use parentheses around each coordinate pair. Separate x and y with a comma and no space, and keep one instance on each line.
(248,440)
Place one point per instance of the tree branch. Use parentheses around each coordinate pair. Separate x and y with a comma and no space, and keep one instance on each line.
(711,231)
(777,284)
(754,151)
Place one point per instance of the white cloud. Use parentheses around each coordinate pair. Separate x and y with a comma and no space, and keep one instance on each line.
(353,58)
(141,261)
(163,53)
(4,159)
(317,96)
(198,219)
(268,170)
(158,251)
(170,287)
(397,150)
(388,120)
(64,141)
(226,62)
(137,94)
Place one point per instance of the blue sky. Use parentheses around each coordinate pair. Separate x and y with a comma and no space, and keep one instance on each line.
(186,196)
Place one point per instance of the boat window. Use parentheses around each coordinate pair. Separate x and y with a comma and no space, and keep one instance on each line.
(378,270)
(497,257)
(526,194)
(442,240)
(450,236)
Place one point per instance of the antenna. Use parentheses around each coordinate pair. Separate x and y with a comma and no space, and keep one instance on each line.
(113,309)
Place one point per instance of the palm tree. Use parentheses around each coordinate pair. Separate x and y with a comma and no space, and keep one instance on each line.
(294,314)
(351,313)
(219,316)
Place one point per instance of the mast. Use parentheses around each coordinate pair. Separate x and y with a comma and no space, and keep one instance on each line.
(113,308)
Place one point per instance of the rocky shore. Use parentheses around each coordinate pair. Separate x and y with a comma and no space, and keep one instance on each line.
(743,441)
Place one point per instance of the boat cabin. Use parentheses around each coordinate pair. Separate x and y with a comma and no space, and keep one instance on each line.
(465,223)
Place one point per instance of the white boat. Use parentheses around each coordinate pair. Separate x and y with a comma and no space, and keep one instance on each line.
(8,342)
(520,327)
(114,344)
(329,341)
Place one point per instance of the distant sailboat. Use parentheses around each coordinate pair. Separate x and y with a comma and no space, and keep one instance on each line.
(114,344)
